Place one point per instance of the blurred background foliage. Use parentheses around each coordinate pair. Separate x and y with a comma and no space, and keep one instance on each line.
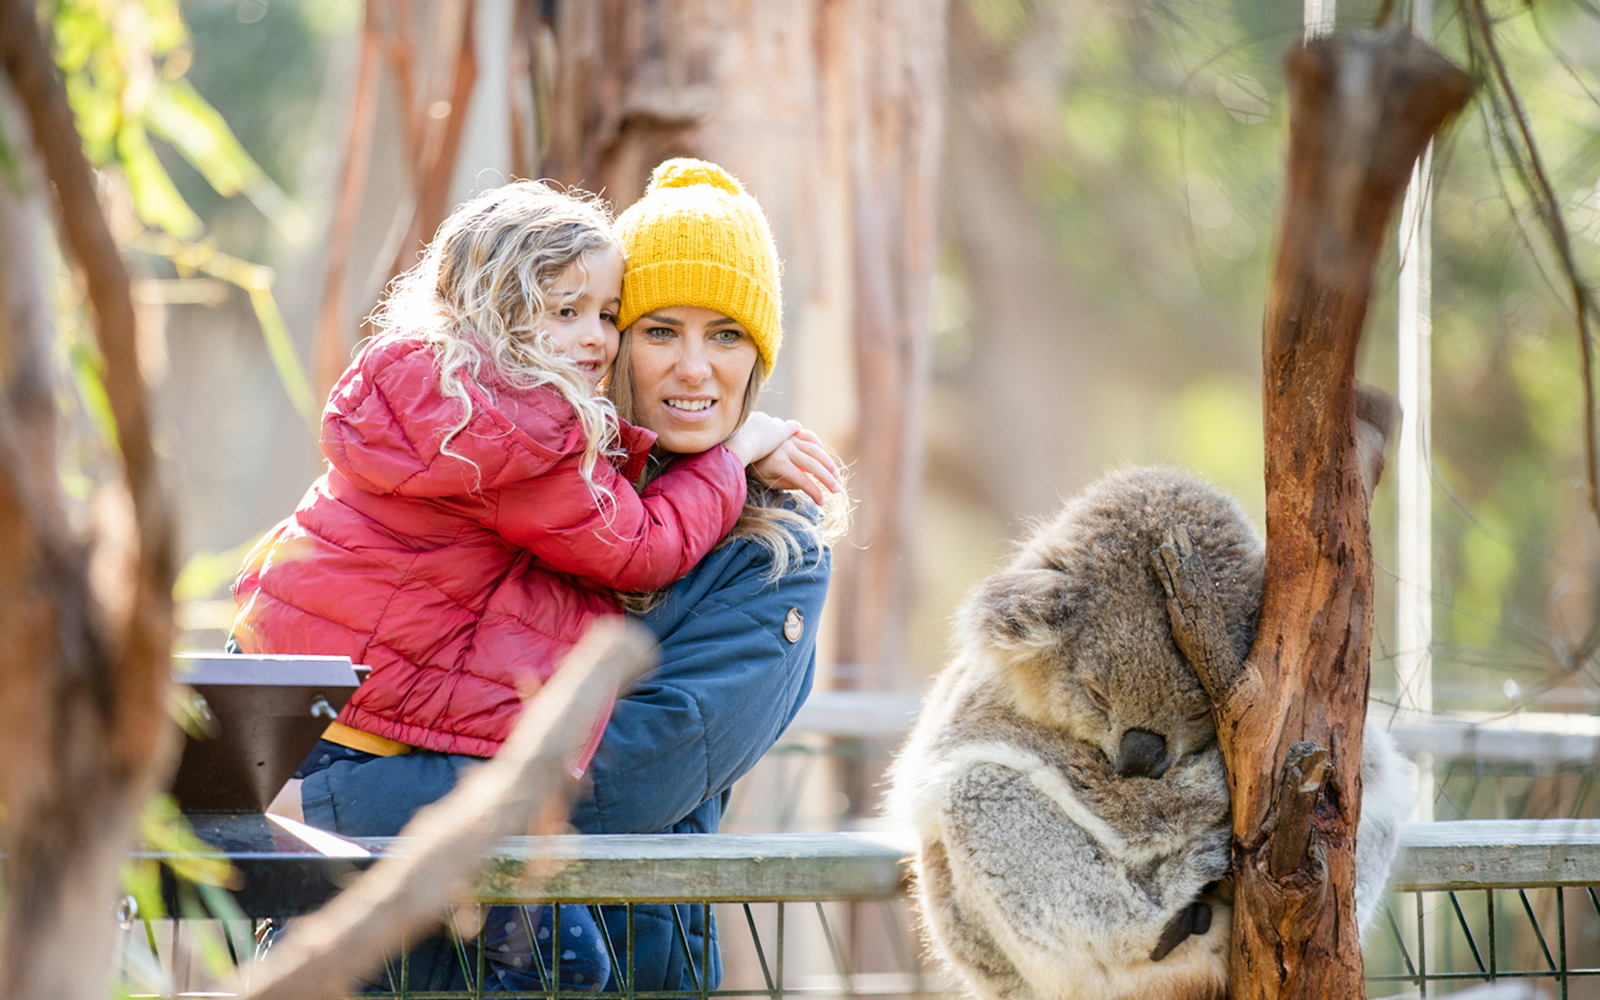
(1108,210)
(1153,160)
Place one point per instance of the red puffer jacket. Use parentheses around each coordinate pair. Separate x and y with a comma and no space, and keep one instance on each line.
(462,578)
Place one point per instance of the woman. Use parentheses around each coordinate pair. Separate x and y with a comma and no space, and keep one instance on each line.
(700,315)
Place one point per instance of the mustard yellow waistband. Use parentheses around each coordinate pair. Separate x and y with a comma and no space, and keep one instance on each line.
(360,739)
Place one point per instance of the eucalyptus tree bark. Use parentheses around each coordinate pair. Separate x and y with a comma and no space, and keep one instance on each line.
(830,113)
(1290,718)
(84,638)
(331,346)
(434,119)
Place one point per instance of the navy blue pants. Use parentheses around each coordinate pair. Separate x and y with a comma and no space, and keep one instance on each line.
(358,794)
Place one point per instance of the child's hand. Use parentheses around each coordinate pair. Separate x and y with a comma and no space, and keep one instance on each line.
(800,463)
(760,434)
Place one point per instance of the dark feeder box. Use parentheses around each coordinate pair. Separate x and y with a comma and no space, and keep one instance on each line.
(249,722)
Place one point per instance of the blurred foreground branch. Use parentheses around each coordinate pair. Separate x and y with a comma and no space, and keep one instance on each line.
(84,638)
(529,782)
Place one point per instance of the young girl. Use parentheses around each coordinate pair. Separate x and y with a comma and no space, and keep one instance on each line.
(477,514)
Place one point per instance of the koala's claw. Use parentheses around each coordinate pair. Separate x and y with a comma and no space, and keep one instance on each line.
(1192,919)
(1195,614)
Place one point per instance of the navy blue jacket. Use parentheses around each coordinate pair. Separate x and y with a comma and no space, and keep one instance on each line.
(729,683)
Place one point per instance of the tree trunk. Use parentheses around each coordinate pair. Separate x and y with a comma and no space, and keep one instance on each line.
(330,351)
(84,642)
(830,114)
(1290,719)
(1035,339)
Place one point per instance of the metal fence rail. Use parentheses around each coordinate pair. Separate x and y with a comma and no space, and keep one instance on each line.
(826,914)
(1481,901)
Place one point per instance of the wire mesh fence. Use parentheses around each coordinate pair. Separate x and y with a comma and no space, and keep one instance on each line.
(1441,942)
(809,911)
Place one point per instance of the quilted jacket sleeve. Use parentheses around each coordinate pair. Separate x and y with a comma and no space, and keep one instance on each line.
(516,468)
(729,683)
(627,540)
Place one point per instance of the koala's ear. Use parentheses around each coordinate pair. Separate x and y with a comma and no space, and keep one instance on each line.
(1020,607)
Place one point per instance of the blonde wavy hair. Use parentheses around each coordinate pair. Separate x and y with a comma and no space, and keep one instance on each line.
(480,293)
(769,517)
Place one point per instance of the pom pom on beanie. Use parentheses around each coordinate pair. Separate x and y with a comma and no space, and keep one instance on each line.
(697,239)
(685,172)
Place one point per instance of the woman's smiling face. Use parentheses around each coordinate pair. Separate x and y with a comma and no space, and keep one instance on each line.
(690,366)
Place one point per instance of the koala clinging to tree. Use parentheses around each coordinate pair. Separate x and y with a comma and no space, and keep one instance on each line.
(1064,775)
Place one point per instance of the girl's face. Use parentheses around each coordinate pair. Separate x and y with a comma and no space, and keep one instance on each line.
(690,368)
(581,311)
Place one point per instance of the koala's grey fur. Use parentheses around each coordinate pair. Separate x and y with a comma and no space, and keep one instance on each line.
(1055,849)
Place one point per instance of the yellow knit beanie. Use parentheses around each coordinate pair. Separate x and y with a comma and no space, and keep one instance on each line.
(696,239)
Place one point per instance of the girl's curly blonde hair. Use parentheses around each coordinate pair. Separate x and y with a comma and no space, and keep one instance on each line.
(479,296)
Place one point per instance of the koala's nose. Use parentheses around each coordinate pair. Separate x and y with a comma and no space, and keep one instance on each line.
(1143,754)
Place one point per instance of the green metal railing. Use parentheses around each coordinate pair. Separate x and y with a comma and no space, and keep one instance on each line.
(807,915)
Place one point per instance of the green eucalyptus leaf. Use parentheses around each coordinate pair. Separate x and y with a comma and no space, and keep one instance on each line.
(10,166)
(177,113)
(165,830)
(206,573)
(97,115)
(84,363)
(141,879)
(165,24)
(281,350)
(155,197)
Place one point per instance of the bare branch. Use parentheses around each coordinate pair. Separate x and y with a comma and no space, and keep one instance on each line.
(332,350)
(83,704)
(324,954)
(89,239)
(141,675)
(1528,166)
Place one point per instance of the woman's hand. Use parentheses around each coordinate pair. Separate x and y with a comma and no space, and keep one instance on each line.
(759,436)
(800,463)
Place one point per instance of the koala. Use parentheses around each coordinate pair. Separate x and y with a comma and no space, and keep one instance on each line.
(1064,776)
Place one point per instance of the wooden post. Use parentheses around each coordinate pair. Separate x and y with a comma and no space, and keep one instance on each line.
(1290,718)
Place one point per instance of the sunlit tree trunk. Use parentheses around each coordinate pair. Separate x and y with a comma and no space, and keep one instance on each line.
(830,113)
(1032,335)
